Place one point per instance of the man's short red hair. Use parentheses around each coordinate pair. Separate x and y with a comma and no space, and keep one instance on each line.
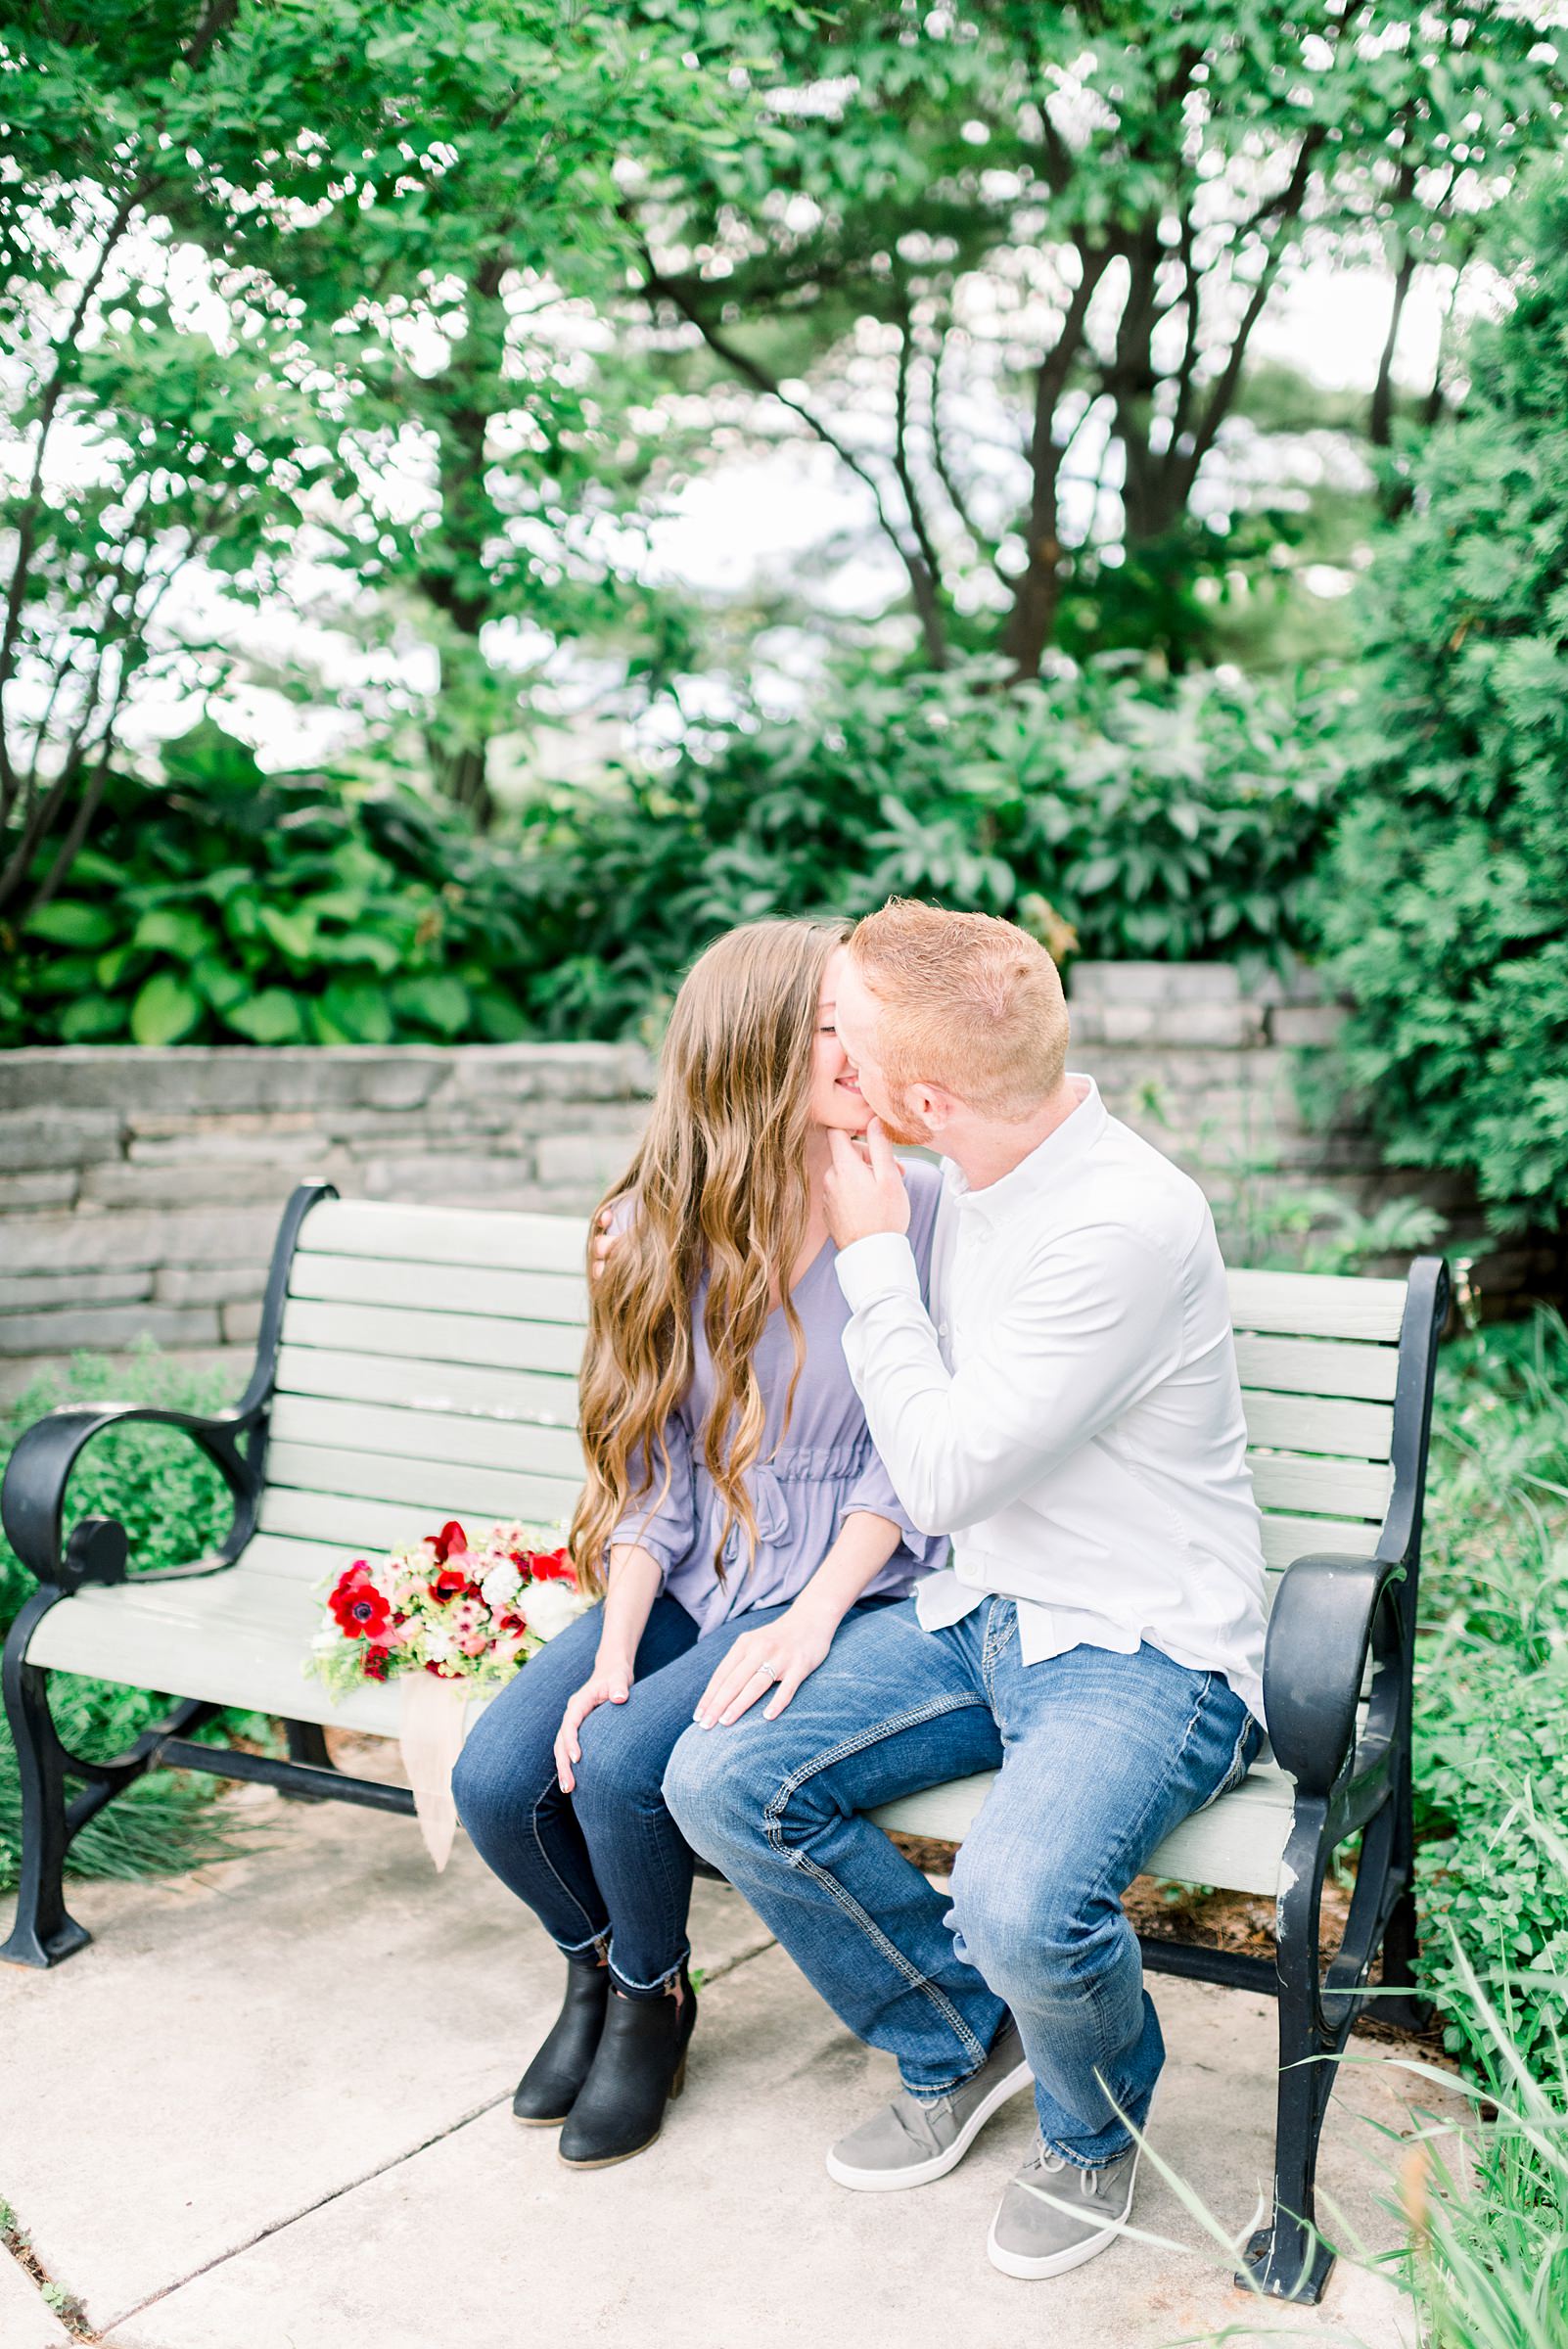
(968,1003)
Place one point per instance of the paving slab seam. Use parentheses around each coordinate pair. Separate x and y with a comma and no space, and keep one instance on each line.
(67,2309)
(708,1975)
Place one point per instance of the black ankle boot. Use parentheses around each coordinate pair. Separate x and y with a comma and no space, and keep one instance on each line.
(549,2088)
(641,2064)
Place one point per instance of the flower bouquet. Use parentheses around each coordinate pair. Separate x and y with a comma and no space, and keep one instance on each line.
(451,1620)
(458,1609)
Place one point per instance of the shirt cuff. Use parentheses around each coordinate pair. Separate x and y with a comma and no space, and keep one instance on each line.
(882,1264)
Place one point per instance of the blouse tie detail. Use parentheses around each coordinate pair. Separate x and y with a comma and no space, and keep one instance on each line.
(766,1481)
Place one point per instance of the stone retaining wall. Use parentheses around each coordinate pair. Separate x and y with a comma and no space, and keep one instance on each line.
(139,1190)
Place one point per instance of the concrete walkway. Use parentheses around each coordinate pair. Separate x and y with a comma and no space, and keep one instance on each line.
(268,2109)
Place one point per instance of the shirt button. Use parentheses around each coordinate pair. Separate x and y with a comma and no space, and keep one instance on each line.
(941,1329)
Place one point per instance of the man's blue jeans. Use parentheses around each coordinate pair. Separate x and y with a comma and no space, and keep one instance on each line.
(1101,1755)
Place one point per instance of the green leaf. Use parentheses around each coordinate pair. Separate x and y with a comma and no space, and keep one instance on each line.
(221,984)
(383,953)
(68,922)
(173,929)
(500,1021)
(110,968)
(270,1017)
(294,933)
(436,1001)
(361,1014)
(166,1010)
(90,1018)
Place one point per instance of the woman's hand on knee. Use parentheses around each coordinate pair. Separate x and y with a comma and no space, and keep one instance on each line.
(776,1658)
(609,1683)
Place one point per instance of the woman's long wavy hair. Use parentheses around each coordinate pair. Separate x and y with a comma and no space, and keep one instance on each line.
(718,1184)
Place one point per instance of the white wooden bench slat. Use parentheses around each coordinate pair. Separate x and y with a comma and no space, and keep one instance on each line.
(1318,1366)
(511,1398)
(1319,1423)
(432,1337)
(513,1297)
(499,1240)
(1317,1305)
(240,1638)
(1237,1842)
(288,1559)
(1286,1538)
(463,1439)
(420,1484)
(360,1526)
(1283,1480)
(236,1638)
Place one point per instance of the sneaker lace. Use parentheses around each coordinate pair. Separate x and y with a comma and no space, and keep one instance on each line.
(1047,2163)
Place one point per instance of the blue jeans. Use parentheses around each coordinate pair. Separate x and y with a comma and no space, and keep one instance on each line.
(1101,1755)
(605,1868)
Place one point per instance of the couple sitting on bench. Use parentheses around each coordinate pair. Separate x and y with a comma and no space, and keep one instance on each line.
(809,1368)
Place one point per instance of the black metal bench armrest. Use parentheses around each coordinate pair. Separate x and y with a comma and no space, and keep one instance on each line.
(1319,1636)
(33,1495)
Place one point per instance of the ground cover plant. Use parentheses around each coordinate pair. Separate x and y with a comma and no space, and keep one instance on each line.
(1492,1691)
(223,905)
(175,1506)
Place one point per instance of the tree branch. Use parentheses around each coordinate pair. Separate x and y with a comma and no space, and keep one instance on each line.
(743,365)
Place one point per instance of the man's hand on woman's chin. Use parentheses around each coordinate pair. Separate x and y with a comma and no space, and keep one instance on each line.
(864,1189)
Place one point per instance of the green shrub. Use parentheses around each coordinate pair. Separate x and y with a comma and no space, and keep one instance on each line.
(1158,817)
(175,1505)
(1447,897)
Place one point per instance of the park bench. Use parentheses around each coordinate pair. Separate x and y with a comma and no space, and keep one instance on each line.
(418,1363)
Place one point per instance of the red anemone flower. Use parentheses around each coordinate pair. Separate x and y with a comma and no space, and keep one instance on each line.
(452,1536)
(361,1612)
(552,1566)
(450,1583)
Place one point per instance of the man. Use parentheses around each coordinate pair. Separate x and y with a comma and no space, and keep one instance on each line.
(1072,1416)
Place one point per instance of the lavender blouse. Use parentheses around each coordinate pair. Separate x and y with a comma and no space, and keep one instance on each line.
(825,1467)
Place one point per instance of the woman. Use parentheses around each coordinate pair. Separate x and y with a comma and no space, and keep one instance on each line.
(734,1514)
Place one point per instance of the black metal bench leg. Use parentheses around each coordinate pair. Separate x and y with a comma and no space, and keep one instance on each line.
(1401,1942)
(1288,2258)
(307,1742)
(44,1932)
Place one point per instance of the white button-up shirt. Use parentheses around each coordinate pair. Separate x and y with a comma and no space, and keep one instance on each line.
(1072,1416)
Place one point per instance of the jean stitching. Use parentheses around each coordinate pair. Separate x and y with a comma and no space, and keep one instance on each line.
(994,1642)
(1236,1770)
(1112,1864)
(543,1849)
(793,1857)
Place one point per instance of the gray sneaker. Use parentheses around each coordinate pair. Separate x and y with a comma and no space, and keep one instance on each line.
(1054,2216)
(911,2141)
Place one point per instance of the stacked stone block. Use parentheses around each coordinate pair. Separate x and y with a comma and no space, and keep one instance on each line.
(140,1190)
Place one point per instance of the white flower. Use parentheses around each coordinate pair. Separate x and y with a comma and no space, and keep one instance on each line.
(550,1607)
(500,1585)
